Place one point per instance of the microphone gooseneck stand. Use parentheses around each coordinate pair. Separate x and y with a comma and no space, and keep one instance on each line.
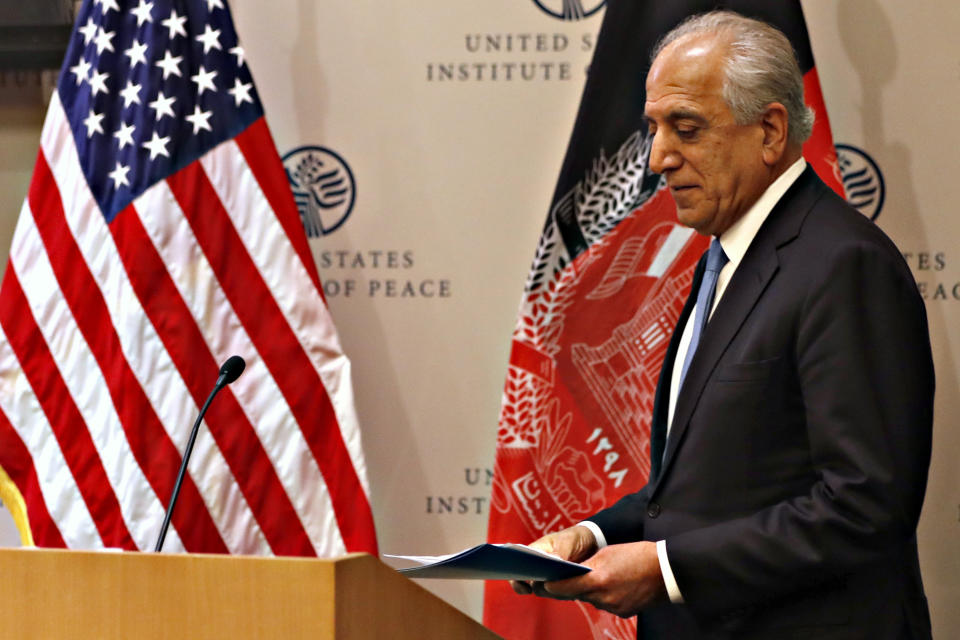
(229,372)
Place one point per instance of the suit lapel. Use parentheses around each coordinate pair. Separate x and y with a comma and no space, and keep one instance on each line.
(751,278)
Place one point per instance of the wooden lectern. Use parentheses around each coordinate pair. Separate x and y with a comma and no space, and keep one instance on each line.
(49,594)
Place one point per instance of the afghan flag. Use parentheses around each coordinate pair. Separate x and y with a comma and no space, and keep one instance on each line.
(610,275)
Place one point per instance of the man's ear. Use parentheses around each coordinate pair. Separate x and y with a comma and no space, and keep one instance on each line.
(774,121)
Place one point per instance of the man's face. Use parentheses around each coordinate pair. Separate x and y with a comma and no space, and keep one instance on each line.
(713,166)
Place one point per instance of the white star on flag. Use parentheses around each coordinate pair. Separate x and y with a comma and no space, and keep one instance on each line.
(137,54)
(240,92)
(98,82)
(163,105)
(108,5)
(210,39)
(92,123)
(170,64)
(214,4)
(131,94)
(157,146)
(81,70)
(104,40)
(200,119)
(124,134)
(175,24)
(88,30)
(119,176)
(204,80)
(238,51)
(142,11)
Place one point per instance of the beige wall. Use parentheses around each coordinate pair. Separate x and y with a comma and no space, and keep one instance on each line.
(22,106)
(459,174)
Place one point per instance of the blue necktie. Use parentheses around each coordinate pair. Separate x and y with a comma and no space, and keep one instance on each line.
(716,258)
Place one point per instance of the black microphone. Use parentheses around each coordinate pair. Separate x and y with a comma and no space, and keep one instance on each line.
(229,372)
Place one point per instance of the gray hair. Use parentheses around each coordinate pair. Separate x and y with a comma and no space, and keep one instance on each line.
(760,68)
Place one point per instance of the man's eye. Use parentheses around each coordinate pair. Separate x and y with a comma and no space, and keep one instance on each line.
(686,134)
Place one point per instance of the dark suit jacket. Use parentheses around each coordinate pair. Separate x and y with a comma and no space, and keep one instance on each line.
(797,461)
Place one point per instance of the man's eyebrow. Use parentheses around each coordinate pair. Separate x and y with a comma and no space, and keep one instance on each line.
(686,114)
(679,114)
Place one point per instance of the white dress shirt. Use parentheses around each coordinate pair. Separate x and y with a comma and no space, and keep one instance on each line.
(735,242)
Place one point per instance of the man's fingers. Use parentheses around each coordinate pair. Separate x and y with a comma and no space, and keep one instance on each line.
(569,589)
(522,587)
(544,544)
(525,587)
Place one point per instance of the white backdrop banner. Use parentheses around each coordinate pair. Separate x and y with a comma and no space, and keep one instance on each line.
(424,145)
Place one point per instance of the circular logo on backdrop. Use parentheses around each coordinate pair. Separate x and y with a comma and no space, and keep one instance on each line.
(570,9)
(323,188)
(862,180)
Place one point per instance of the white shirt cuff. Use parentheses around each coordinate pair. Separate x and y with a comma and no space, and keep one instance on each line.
(595,530)
(671,583)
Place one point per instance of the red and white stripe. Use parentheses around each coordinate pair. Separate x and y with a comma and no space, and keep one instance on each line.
(112,336)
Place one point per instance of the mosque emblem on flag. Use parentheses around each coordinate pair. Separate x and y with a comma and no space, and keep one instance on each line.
(608,282)
(570,9)
(614,236)
(862,180)
(323,187)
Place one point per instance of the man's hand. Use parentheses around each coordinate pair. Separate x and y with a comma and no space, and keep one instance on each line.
(625,579)
(575,544)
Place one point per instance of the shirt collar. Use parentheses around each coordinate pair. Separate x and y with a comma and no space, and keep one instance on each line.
(736,240)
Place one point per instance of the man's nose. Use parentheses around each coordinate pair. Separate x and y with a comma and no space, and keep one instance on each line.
(663,155)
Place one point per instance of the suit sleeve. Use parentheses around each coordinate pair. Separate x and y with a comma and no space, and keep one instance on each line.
(623,521)
(865,372)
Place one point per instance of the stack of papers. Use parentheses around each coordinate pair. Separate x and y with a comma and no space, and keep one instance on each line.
(494,562)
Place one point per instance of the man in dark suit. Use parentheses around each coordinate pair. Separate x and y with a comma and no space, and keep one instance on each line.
(791,432)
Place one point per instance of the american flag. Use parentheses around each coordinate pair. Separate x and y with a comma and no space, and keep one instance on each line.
(159,237)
